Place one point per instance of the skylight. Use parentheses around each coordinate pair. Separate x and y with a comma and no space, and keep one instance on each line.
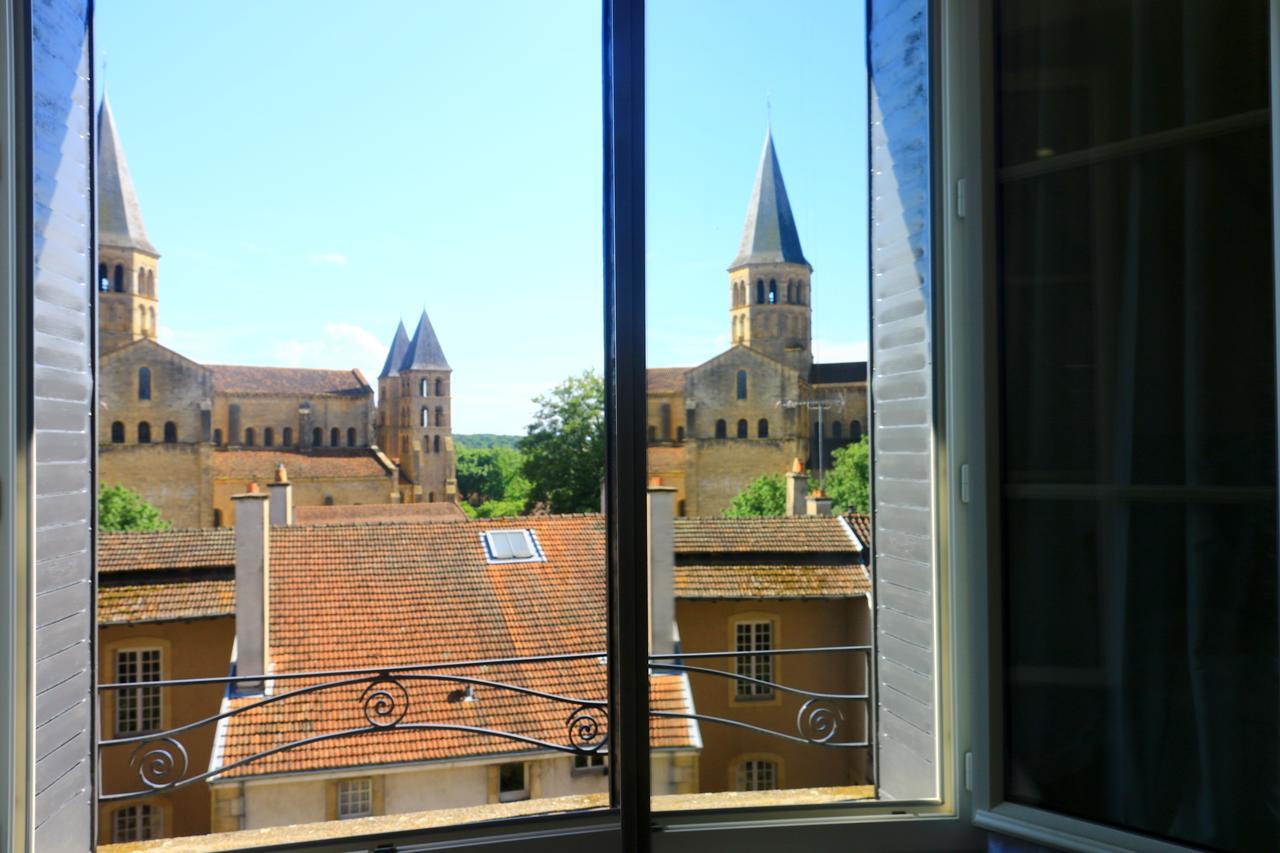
(511,546)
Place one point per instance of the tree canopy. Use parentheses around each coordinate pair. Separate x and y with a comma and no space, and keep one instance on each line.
(564,449)
(765,495)
(120,508)
(848,483)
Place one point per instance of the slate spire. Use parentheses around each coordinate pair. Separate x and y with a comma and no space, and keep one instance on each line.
(424,352)
(769,235)
(399,346)
(119,215)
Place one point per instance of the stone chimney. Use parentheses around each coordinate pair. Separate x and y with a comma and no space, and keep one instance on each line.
(253,564)
(797,488)
(662,569)
(817,504)
(281,492)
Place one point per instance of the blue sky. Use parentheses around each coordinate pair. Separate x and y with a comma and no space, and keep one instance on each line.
(312,172)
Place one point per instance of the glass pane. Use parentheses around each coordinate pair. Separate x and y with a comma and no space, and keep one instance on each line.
(1137,352)
(350,316)
(756,343)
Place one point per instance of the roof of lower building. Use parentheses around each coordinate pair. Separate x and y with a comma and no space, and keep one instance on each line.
(860,522)
(248,380)
(800,534)
(838,372)
(347,513)
(665,380)
(259,464)
(167,599)
(769,235)
(194,548)
(119,214)
(770,581)
(165,575)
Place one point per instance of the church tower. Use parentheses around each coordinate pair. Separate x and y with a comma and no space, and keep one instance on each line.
(414,413)
(769,305)
(127,261)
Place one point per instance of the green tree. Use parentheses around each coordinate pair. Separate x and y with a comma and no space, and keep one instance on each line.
(123,509)
(487,474)
(564,449)
(766,495)
(848,483)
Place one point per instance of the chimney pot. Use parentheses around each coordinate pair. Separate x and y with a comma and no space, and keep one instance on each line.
(797,489)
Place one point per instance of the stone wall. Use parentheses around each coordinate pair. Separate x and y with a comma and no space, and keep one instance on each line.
(278,412)
(176,478)
(308,491)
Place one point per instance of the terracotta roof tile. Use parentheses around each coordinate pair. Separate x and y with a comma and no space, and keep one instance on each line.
(861,524)
(787,534)
(770,581)
(166,600)
(260,465)
(197,548)
(665,380)
(347,513)
(245,380)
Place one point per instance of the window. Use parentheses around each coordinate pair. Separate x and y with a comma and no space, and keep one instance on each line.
(773,292)
(144,433)
(250,437)
(335,437)
(104,280)
(351,436)
(439,387)
(117,432)
(137,708)
(268,437)
(791,292)
(118,278)
(217,518)
(424,388)
(742,428)
(756,775)
(837,430)
(144,383)
(722,429)
(511,546)
(587,763)
(286,437)
(760,292)
(435,444)
(742,384)
(753,637)
(855,430)
(762,428)
(679,433)
(170,432)
(355,798)
(217,438)
(317,437)
(511,783)
(140,822)
(653,433)
(439,416)
(425,417)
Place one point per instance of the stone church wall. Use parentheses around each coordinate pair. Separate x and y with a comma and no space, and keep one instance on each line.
(180,393)
(308,491)
(176,478)
(278,412)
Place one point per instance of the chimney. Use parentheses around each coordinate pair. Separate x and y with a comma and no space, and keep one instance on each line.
(797,488)
(662,570)
(253,544)
(818,504)
(281,492)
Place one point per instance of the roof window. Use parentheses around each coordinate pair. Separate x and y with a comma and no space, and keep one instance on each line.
(511,546)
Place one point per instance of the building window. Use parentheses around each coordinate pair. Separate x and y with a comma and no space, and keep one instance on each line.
(653,433)
(250,437)
(665,413)
(759,291)
(286,437)
(424,388)
(512,784)
(439,387)
(435,444)
(511,546)
(791,292)
(762,428)
(742,384)
(773,292)
(679,433)
(837,429)
(317,437)
(722,429)
(137,708)
(104,280)
(742,428)
(170,432)
(141,822)
(144,433)
(425,417)
(217,518)
(756,775)
(753,637)
(439,416)
(144,383)
(118,279)
(855,431)
(355,798)
(335,437)
(351,436)
(268,437)
(589,763)
(431,497)
(680,508)
(117,432)
(217,438)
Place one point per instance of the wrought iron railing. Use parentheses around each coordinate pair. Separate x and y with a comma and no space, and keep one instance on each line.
(385,702)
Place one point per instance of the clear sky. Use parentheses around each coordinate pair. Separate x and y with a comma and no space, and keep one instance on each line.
(312,172)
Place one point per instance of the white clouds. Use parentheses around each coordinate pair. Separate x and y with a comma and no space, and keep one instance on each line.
(829,351)
(338,346)
(336,259)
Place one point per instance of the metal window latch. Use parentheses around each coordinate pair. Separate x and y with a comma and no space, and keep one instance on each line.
(960,199)
(964,483)
(968,771)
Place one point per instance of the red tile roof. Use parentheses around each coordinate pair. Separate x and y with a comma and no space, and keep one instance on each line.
(347,513)
(861,524)
(197,548)
(246,380)
(372,595)
(166,600)
(770,581)
(665,380)
(787,534)
(329,464)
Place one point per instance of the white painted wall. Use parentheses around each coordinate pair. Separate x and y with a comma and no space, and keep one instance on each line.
(436,788)
(283,803)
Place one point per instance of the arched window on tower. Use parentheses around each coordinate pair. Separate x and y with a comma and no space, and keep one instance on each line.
(665,414)
(435,444)
(742,428)
(351,436)
(791,291)
(217,518)
(335,437)
(269,437)
(250,437)
(837,430)
(424,388)
(855,430)
(425,417)
(144,433)
(652,433)
(117,279)
(317,437)
(679,433)
(722,429)
(773,292)
(170,432)
(151,315)
(286,437)
(439,416)
(742,384)
(144,383)
(762,428)
(759,291)
(439,387)
(104,278)
(117,432)
(217,438)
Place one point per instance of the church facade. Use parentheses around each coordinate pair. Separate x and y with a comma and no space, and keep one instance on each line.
(763,403)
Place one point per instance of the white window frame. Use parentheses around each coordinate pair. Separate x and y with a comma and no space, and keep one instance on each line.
(134,722)
(353,792)
(750,775)
(147,823)
(517,794)
(530,541)
(753,665)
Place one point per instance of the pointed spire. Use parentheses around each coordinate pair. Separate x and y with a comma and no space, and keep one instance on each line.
(424,351)
(119,216)
(399,346)
(769,235)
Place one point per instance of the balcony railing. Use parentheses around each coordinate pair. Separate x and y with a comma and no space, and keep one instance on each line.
(384,700)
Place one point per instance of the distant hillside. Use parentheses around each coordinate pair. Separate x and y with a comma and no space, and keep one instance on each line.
(485,440)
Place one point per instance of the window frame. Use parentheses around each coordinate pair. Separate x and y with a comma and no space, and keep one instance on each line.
(138,646)
(156,812)
(366,782)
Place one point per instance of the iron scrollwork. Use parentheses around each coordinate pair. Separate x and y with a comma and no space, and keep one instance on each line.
(160,763)
(588,728)
(818,721)
(384,702)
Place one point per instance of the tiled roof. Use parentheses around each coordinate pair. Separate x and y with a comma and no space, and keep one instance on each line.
(770,581)
(243,379)
(665,380)
(783,535)
(329,464)
(372,595)
(166,599)
(347,513)
(861,524)
(198,548)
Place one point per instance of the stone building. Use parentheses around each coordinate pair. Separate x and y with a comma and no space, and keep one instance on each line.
(752,409)
(186,435)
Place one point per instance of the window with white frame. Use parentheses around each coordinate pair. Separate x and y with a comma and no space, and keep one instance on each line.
(139,822)
(511,546)
(589,762)
(355,798)
(754,637)
(513,782)
(756,774)
(138,709)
